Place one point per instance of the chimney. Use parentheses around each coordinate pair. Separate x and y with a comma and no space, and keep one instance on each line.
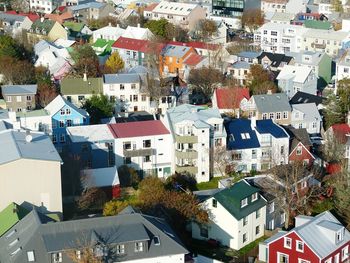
(118,26)
(269,91)
(138,25)
(253,122)
(85,77)
(109,24)
(174,39)
(12,116)
(42,19)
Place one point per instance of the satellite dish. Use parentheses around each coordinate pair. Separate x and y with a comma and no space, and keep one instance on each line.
(29,138)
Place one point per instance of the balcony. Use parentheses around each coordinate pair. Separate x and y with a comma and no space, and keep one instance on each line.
(189,169)
(186,154)
(186,139)
(139,152)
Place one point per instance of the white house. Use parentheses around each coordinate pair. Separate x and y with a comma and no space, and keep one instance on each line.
(14,24)
(108,33)
(238,215)
(143,145)
(306,115)
(292,79)
(342,68)
(43,6)
(137,33)
(195,130)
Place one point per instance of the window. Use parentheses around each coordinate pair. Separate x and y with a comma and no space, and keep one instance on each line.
(138,246)
(299,150)
(300,246)
(61,124)
(156,240)
(346,70)
(143,97)
(29,98)
(146,158)
(67,111)
(254,154)
(216,127)
(62,112)
(273,33)
(328,260)
(204,231)
(80,98)
(245,221)
(283,218)
(271,207)
(127,160)
(78,254)
(254,197)
(244,237)
(147,144)
(287,242)
(8,99)
(282,258)
(69,123)
(257,213)
(339,235)
(122,87)
(54,138)
(19,98)
(62,138)
(257,230)
(304,184)
(120,249)
(278,115)
(127,145)
(214,203)
(133,86)
(345,253)
(135,97)
(264,116)
(282,149)
(57,257)
(244,202)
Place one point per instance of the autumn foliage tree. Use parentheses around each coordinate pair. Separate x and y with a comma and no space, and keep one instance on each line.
(85,61)
(205,29)
(114,63)
(252,19)
(260,80)
(16,71)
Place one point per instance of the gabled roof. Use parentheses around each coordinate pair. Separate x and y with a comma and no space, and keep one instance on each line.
(230,199)
(309,110)
(129,43)
(193,60)
(10,215)
(74,26)
(317,24)
(95,5)
(175,51)
(138,129)
(296,73)
(10,18)
(90,133)
(59,102)
(77,86)
(121,78)
(13,146)
(60,18)
(137,33)
(302,97)
(298,135)
(44,26)
(276,59)
(19,89)
(240,135)
(33,17)
(195,45)
(230,98)
(174,8)
(101,177)
(150,7)
(269,127)
(341,131)
(272,102)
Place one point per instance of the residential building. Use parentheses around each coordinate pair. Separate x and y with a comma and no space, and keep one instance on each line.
(273,6)
(319,62)
(43,6)
(185,15)
(196,132)
(314,239)
(64,114)
(127,237)
(103,47)
(19,97)
(256,145)
(281,18)
(60,17)
(14,24)
(239,72)
(238,216)
(342,68)
(145,146)
(35,120)
(77,31)
(250,57)
(307,116)
(77,90)
(302,97)
(94,144)
(297,6)
(138,33)
(274,61)
(30,164)
(45,29)
(292,79)
(270,106)
(90,10)
(230,100)
(32,16)
(108,33)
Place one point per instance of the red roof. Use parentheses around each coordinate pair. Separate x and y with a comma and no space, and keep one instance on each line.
(61,8)
(193,60)
(33,17)
(340,131)
(150,7)
(138,129)
(195,44)
(230,98)
(130,43)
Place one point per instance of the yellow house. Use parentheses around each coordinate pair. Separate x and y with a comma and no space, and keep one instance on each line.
(46,29)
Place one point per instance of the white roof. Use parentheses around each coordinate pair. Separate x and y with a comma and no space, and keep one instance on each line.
(137,33)
(174,8)
(309,109)
(110,30)
(90,133)
(100,177)
(64,42)
(326,34)
(297,73)
(59,102)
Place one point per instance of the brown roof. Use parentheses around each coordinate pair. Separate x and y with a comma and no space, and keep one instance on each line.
(60,18)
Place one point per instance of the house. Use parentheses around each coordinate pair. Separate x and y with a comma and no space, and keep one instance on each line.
(281,18)
(108,33)
(138,33)
(250,57)
(256,145)
(35,120)
(127,237)
(102,47)
(94,144)
(45,29)
(239,72)
(195,130)
(306,115)
(239,215)
(274,61)
(273,6)
(19,97)
(292,79)
(319,62)
(90,10)
(43,6)
(14,24)
(302,97)
(64,114)
(314,239)
(77,31)
(300,146)
(77,90)
(145,146)
(270,106)
(185,15)
(55,58)
(30,164)
(230,100)
(60,18)
(32,16)
(342,67)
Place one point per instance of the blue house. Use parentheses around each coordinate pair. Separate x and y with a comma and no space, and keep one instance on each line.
(64,114)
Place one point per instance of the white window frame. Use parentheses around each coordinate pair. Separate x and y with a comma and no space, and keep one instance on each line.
(285,242)
(345,253)
(301,260)
(299,150)
(329,260)
(19,98)
(278,257)
(138,247)
(297,243)
(30,256)
(285,115)
(254,197)
(244,202)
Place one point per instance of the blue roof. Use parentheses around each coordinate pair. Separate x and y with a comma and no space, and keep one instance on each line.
(236,132)
(87,5)
(268,126)
(19,89)
(249,54)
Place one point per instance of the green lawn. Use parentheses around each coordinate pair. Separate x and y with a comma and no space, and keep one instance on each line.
(213,183)
(251,246)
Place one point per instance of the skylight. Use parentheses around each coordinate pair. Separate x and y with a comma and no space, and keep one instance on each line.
(245,136)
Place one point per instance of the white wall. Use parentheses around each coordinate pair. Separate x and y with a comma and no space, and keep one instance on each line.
(165,259)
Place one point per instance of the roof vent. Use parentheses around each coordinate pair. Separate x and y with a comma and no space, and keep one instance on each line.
(29,138)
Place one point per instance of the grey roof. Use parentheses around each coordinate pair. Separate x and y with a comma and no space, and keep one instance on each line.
(19,89)
(4,114)
(121,78)
(248,54)
(314,57)
(5,125)
(272,102)
(10,18)
(110,231)
(86,6)
(175,51)
(241,64)
(13,146)
(310,111)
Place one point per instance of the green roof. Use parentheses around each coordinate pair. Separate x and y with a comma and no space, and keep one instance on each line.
(230,198)
(317,24)
(77,86)
(74,26)
(46,25)
(101,43)
(10,216)
(33,113)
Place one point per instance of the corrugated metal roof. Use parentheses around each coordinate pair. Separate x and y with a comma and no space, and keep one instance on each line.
(121,78)
(272,103)
(19,89)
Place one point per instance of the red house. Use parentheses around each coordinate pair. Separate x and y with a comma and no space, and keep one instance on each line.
(319,239)
(230,99)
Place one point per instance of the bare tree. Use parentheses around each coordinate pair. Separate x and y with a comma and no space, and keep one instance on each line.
(221,160)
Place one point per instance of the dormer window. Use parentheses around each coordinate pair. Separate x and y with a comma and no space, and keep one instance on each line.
(30,256)
(244,202)
(138,247)
(254,197)
(120,249)
(339,236)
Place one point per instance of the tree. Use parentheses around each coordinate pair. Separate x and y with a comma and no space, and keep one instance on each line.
(221,160)
(98,107)
(159,27)
(9,47)
(343,91)
(341,183)
(114,207)
(183,181)
(95,24)
(252,19)
(205,79)
(91,198)
(114,63)
(205,29)
(85,61)
(337,6)
(260,80)
(17,71)
(128,176)
(20,5)
(45,94)
(333,112)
